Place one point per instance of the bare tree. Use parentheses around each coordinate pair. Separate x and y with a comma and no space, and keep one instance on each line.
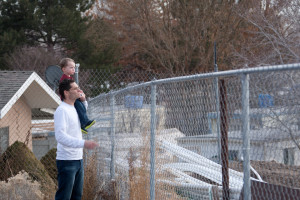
(33,58)
(177,36)
(274,38)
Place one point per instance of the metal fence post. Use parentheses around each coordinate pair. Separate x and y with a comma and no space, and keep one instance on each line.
(218,118)
(245,135)
(217,104)
(152,141)
(112,136)
(76,73)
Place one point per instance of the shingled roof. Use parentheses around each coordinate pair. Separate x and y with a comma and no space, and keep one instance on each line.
(14,84)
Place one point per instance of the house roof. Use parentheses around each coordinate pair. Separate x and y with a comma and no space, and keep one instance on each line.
(27,84)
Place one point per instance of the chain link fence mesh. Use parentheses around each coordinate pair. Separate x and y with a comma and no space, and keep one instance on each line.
(192,148)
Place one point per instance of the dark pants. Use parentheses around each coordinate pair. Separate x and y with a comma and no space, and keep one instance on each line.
(81,111)
(70,179)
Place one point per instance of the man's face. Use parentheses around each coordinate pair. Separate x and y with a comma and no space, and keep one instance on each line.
(73,93)
(69,69)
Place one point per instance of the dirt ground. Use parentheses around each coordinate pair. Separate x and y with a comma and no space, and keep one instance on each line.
(273,172)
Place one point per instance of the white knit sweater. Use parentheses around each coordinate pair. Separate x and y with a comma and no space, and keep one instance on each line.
(68,133)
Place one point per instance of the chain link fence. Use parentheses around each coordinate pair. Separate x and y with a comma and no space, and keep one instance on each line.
(223,135)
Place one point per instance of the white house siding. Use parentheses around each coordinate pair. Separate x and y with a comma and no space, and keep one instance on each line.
(127,120)
(208,148)
(256,151)
(274,151)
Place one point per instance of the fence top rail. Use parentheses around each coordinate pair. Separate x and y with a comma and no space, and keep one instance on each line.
(271,68)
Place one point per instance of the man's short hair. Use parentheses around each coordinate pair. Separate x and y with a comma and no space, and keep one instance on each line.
(64,62)
(65,85)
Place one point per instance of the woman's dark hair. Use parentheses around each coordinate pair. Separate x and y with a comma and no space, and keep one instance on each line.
(65,85)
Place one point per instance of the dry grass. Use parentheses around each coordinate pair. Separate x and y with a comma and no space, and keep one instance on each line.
(139,177)
(95,185)
(18,157)
(90,178)
(20,187)
(133,184)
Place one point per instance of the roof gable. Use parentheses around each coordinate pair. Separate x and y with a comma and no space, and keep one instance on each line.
(14,84)
(10,83)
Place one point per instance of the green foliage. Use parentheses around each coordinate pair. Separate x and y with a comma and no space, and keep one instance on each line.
(49,162)
(55,23)
(99,47)
(8,41)
(48,22)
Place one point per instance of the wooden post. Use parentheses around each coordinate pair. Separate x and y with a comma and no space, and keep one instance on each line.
(224,139)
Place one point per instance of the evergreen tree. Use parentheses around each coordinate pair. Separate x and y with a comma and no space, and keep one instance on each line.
(50,23)
(100,47)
